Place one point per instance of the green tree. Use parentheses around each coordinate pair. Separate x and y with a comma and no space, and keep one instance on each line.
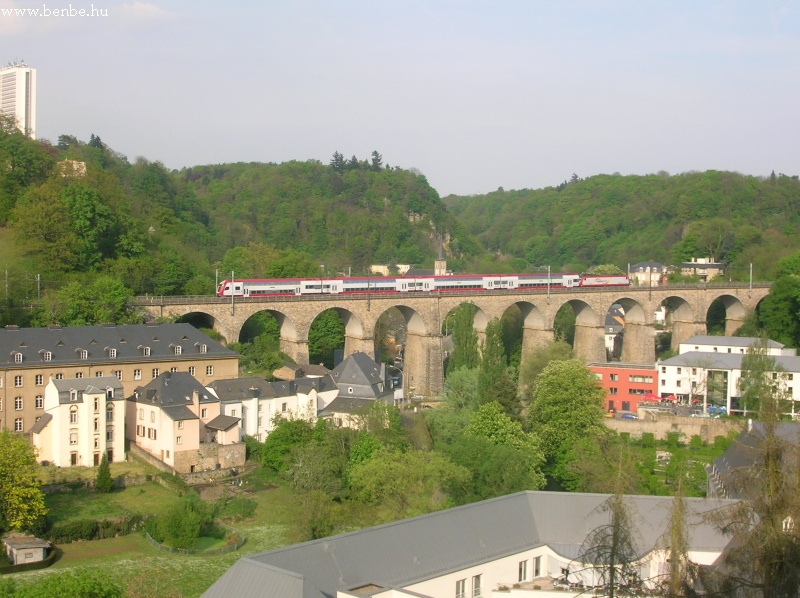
(325,336)
(605,270)
(492,361)
(567,404)
(759,377)
(21,499)
(406,482)
(537,360)
(179,525)
(288,434)
(779,311)
(103,482)
(465,339)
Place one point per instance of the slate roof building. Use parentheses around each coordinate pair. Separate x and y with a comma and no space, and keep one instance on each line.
(465,551)
(177,421)
(83,418)
(134,354)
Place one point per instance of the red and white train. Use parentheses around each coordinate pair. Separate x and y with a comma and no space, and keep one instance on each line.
(264,287)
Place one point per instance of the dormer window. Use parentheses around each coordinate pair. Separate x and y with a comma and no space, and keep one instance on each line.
(109,393)
(17,357)
(84,354)
(73,395)
(350,389)
(145,350)
(48,356)
(112,353)
(176,349)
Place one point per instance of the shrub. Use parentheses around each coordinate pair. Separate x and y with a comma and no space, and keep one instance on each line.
(695,441)
(103,481)
(648,440)
(236,508)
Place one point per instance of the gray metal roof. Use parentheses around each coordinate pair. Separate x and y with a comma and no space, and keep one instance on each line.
(345,404)
(732,341)
(414,550)
(172,389)
(222,422)
(41,424)
(361,373)
(97,385)
(65,343)
(726,361)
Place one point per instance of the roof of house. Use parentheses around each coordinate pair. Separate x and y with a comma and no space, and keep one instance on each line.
(87,386)
(41,424)
(20,542)
(222,422)
(735,465)
(64,344)
(345,404)
(726,361)
(173,392)
(728,341)
(360,373)
(643,265)
(426,547)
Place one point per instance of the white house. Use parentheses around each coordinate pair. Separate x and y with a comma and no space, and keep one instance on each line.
(708,370)
(83,418)
(528,538)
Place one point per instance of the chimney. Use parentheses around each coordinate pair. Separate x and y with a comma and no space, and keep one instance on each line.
(196,400)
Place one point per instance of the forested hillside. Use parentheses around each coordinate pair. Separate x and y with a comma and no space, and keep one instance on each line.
(625,219)
(80,220)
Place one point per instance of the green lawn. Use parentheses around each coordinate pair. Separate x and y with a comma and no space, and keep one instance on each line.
(86,504)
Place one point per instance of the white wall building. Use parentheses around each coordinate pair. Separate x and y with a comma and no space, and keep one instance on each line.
(708,370)
(18,96)
(83,418)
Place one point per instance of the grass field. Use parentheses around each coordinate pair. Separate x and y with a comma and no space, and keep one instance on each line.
(131,559)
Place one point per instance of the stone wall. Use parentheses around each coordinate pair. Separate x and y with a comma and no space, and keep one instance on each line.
(210,457)
(143,455)
(660,424)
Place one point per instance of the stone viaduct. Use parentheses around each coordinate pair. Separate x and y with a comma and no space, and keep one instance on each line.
(424,313)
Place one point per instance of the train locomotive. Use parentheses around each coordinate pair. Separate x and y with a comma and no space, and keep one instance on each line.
(277,287)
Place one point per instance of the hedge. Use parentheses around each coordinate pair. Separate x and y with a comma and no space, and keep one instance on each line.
(90,529)
(44,563)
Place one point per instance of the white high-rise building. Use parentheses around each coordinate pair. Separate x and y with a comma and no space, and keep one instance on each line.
(18,96)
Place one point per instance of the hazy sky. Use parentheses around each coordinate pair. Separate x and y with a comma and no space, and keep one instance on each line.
(475,94)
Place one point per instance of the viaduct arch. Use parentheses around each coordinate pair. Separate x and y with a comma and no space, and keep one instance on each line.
(424,314)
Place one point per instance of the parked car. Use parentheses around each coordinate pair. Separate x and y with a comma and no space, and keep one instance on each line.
(629,416)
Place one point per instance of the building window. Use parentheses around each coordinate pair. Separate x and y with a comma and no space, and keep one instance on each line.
(48,356)
(59,376)
(18,424)
(180,425)
(203,348)
(73,395)
(173,369)
(663,369)
(17,381)
(84,354)
(96,424)
(39,402)
(109,434)
(626,406)
(167,452)
(137,374)
(110,414)
(39,380)
(233,412)
(176,349)
(179,440)
(694,371)
(73,415)
(17,357)
(523,571)
(155,372)
(476,586)
(112,353)
(204,413)
(283,407)
(663,382)
(537,567)
(118,374)
(152,417)
(73,438)
(613,390)
(146,351)
(350,390)
(679,371)
(613,377)
(678,384)
(461,588)
(141,413)
(79,375)
(97,443)
(191,370)
(209,370)
(1,382)
(98,374)
(1,404)
(96,403)
(17,403)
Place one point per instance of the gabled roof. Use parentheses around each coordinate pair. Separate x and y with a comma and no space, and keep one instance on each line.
(87,386)
(361,374)
(240,389)
(726,361)
(422,548)
(129,341)
(222,422)
(345,404)
(172,389)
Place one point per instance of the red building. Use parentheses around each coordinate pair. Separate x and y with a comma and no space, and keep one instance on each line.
(626,384)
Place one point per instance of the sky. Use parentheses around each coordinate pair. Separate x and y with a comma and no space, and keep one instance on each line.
(476,95)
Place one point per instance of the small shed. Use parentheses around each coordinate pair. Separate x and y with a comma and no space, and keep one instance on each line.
(26,549)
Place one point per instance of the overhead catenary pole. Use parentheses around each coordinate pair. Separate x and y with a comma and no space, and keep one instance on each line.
(233,292)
